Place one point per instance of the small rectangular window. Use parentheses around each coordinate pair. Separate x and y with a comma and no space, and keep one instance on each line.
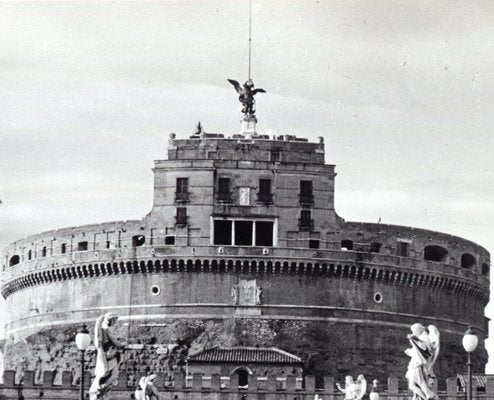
(305,221)
(82,246)
(169,240)
(403,248)
(63,248)
(222,233)
(181,217)
(265,194)
(275,156)
(313,244)
(224,193)
(243,233)
(182,189)
(306,192)
(264,233)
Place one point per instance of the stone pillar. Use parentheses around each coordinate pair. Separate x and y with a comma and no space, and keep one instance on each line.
(393,385)
(291,383)
(215,382)
(451,388)
(253,382)
(197,381)
(310,384)
(234,382)
(47,379)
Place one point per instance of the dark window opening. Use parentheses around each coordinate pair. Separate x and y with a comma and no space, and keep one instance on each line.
(485,269)
(275,156)
(63,248)
(243,377)
(313,244)
(29,254)
(224,193)
(305,222)
(138,240)
(264,233)
(181,217)
(306,193)
(468,261)
(375,247)
(169,240)
(265,195)
(182,189)
(243,233)
(108,244)
(346,244)
(14,260)
(435,253)
(223,233)
(403,249)
(82,246)
(43,252)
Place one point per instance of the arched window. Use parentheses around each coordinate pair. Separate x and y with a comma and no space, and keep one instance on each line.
(43,252)
(14,260)
(435,253)
(468,261)
(138,240)
(243,376)
(375,247)
(346,244)
(485,269)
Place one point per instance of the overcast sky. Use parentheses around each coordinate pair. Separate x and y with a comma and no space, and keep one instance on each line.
(402,92)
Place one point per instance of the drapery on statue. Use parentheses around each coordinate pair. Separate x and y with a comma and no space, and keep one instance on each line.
(354,390)
(146,389)
(108,356)
(423,355)
(247,93)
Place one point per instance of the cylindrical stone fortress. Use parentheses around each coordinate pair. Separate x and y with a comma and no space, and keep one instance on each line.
(243,246)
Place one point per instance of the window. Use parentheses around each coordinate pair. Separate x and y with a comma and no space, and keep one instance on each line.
(313,244)
(485,269)
(305,221)
(346,244)
(265,195)
(224,194)
(403,248)
(43,252)
(375,247)
(182,190)
(181,217)
(14,260)
(264,233)
(29,254)
(169,240)
(306,195)
(243,233)
(435,253)
(275,156)
(222,232)
(138,240)
(82,246)
(468,261)
(63,248)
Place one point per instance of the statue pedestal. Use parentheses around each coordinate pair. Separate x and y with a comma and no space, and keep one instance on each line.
(249,126)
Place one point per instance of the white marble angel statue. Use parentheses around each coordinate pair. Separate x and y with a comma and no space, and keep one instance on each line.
(108,357)
(146,390)
(423,355)
(354,390)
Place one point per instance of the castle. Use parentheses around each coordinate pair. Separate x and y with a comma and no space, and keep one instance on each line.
(243,247)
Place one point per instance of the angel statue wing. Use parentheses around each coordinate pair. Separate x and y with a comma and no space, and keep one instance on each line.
(361,387)
(236,85)
(258,91)
(434,342)
(98,332)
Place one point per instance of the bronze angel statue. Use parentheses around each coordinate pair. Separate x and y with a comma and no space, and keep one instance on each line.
(247,93)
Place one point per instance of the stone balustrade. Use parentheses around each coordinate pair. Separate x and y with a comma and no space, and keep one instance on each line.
(61,385)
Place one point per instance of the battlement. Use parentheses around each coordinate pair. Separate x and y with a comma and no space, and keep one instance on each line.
(55,384)
(284,149)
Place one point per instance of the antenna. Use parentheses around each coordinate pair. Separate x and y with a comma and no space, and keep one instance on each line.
(250,35)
